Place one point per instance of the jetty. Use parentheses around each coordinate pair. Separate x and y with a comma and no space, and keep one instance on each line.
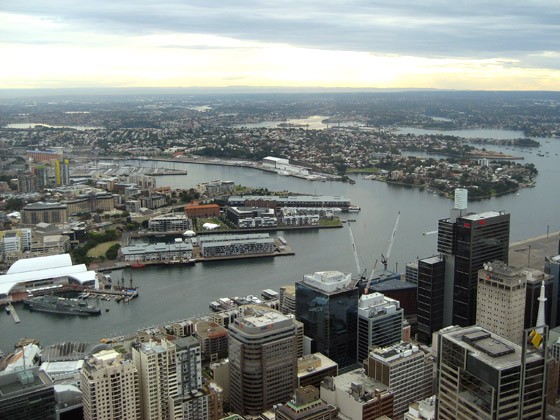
(13,313)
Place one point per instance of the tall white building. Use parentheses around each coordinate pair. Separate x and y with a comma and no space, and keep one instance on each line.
(500,301)
(156,364)
(109,384)
(380,322)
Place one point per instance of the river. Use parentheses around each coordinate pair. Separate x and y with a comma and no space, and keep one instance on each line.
(168,294)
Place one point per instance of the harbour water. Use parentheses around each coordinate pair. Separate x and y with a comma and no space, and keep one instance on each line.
(172,293)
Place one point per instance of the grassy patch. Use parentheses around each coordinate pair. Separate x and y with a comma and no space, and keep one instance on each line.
(362,170)
(101,249)
(201,221)
(329,222)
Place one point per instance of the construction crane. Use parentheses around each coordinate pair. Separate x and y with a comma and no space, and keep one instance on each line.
(385,259)
(370,278)
(355,251)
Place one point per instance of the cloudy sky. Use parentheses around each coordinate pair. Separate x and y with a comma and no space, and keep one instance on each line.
(446,44)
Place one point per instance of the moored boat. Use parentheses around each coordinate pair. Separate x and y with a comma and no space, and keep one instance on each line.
(58,305)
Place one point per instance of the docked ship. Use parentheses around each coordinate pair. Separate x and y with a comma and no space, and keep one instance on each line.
(58,305)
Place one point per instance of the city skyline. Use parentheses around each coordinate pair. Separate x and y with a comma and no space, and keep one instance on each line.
(353,44)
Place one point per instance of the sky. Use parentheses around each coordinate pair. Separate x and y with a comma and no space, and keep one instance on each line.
(442,44)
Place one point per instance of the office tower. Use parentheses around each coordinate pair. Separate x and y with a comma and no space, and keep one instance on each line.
(468,241)
(110,387)
(552,267)
(358,396)
(405,369)
(380,323)
(263,360)
(327,305)
(500,300)
(288,299)
(27,394)
(156,365)
(534,280)
(306,405)
(553,369)
(431,280)
(484,376)
(411,272)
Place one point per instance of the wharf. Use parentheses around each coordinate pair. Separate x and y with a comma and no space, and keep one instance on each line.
(14,314)
(531,252)
(282,249)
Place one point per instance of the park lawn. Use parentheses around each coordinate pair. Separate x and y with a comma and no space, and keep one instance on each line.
(330,222)
(362,170)
(101,249)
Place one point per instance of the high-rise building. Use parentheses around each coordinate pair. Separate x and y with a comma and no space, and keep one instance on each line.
(190,400)
(27,183)
(468,241)
(380,323)
(62,172)
(406,370)
(27,394)
(534,280)
(156,365)
(263,360)
(501,295)
(484,376)
(552,267)
(288,299)
(411,272)
(109,384)
(431,281)
(327,305)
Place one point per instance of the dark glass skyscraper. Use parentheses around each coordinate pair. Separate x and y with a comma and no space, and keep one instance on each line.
(468,242)
(431,280)
(327,305)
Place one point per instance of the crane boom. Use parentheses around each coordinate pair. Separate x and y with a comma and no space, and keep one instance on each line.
(385,259)
(354,250)
(370,278)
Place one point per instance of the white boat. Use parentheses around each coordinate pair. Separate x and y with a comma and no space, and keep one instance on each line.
(354,209)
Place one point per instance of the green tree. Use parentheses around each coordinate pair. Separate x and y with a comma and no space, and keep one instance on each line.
(113,252)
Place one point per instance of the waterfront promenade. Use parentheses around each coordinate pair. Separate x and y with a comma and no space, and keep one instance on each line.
(531,252)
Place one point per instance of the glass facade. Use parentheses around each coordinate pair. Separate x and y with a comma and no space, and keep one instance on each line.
(431,279)
(478,240)
(329,318)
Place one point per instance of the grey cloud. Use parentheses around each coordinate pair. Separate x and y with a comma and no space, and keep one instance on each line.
(432,28)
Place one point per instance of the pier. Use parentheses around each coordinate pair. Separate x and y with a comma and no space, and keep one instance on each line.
(13,313)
